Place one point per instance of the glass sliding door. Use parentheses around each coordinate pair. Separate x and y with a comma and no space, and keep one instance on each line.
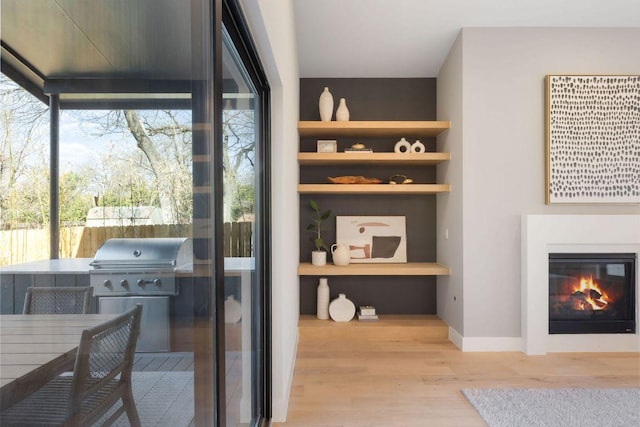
(245,221)
(159,133)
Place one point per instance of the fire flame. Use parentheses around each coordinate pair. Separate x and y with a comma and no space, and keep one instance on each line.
(591,295)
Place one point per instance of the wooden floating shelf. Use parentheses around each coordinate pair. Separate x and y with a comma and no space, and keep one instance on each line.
(408,269)
(373,188)
(382,158)
(373,128)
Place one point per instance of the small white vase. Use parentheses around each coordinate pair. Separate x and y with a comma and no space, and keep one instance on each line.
(325,104)
(232,310)
(342,113)
(322,309)
(340,254)
(402,146)
(319,258)
(342,309)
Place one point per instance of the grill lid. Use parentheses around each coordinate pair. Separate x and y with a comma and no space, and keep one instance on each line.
(143,253)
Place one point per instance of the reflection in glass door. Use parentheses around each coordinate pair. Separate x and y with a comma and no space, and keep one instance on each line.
(243,234)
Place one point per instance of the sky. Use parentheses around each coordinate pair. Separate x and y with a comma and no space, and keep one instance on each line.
(79,143)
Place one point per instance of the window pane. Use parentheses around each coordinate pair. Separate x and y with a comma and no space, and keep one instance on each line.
(240,131)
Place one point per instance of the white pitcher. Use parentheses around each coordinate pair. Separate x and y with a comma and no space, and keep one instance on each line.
(340,254)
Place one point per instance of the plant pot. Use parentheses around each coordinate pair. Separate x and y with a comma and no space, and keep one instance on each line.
(319,258)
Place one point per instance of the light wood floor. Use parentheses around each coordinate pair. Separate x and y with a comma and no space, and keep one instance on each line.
(403,371)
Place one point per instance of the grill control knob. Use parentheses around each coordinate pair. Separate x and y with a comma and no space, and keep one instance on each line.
(140,283)
(107,283)
(157,282)
(124,283)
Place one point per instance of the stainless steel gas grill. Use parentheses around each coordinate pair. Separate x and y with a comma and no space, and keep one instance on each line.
(126,272)
(144,266)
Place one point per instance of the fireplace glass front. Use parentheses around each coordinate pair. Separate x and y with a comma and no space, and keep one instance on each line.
(592,293)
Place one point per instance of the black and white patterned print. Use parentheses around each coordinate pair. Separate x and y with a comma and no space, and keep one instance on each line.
(594,139)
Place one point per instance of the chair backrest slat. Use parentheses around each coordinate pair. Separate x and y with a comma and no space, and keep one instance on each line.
(105,351)
(58,300)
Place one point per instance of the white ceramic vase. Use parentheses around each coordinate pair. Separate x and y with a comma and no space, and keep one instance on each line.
(342,309)
(232,310)
(325,104)
(322,309)
(319,258)
(340,254)
(402,146)
(342,113)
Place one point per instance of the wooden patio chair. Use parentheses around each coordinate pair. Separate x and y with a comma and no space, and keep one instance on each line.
(105,351)
(58,300)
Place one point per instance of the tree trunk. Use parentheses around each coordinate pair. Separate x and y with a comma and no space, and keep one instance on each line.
(160,168)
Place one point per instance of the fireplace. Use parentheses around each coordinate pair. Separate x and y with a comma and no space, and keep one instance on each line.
(592,293)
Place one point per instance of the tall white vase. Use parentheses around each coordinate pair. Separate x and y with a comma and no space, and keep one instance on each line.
(342,113)
(325,104)
(322,309)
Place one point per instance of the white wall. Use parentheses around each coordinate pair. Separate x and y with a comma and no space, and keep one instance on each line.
(272,27)
(449,206)
(503,71)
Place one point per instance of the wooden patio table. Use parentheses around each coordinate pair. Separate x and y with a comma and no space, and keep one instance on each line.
(34,348)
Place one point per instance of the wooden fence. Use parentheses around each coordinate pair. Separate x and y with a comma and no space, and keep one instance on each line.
(24,245)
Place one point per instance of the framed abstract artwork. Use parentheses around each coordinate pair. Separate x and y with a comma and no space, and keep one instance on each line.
(592,139)
(373,239)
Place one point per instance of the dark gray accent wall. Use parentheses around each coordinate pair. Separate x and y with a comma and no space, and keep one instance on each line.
(374,99)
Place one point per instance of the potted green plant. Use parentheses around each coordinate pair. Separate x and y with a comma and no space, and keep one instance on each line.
(319,255)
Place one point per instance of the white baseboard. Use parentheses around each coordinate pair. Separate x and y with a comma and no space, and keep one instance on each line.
(472,344)
(280,404)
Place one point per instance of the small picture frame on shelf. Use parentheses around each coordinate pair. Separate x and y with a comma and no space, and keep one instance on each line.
(327,146)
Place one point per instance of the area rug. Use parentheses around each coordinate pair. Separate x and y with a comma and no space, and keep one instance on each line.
(162,399)
(566,407)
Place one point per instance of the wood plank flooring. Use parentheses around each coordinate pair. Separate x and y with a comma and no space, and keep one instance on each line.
(403,371)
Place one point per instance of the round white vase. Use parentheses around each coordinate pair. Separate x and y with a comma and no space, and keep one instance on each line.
(342,113)
(402,146)
(342,309)
(319,258)
(325,104)
(232,310)
(322,308)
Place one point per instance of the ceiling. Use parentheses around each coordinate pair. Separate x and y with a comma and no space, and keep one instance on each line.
(411,38)
(87,51)
(134,42)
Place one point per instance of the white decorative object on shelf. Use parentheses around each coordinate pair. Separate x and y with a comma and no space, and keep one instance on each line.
(325,104)
(319,258)
(418,147)
(340,254)
(342,309)
(402,146)
(327,146)
(232,310)
(342,113)
(322,307)
(367,310)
